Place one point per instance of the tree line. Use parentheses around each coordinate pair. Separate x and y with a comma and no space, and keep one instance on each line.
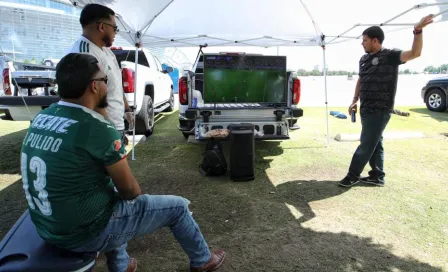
(442,69)
(303,72)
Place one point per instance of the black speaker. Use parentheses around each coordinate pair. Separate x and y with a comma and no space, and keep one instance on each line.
(242,152)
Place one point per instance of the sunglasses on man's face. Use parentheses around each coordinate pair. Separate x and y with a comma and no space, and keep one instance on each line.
(113,26)
(101,79)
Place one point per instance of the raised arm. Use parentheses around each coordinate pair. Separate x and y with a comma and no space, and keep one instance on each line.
(417,45)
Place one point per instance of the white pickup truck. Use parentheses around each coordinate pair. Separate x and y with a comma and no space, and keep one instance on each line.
(237,88)
(154,90)
(9,68)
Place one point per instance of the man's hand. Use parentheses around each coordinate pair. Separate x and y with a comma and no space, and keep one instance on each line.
(424,22)
(417,44)
(352,107)
(130,118)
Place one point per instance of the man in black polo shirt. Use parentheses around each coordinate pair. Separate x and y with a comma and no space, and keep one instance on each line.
(376,87)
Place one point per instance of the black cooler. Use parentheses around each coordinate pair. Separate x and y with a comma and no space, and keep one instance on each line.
(242,149)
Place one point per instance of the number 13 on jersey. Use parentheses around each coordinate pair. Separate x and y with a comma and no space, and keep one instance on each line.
(37,166)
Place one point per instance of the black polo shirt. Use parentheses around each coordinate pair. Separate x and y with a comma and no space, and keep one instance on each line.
(378,75)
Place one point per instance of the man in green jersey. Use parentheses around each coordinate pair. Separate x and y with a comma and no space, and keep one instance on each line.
(72,161)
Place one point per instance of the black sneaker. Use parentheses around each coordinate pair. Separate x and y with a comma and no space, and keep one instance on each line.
(348,182)
(373,181)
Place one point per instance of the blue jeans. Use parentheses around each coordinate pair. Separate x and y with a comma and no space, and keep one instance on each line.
(371,149)
(144,215)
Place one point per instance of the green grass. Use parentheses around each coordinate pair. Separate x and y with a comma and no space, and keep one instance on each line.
(420,119)
(293,217)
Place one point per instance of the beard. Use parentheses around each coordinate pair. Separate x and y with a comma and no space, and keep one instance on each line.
(103,102)
(107,41)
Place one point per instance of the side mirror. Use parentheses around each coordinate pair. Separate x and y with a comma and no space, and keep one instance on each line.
(168,70)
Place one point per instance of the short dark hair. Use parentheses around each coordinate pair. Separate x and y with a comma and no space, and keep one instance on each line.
(374,32)
(92,13)
(74,73)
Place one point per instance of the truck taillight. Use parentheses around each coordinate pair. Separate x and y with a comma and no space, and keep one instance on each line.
(183,91)
(6,82)
(296,91)
(128,80)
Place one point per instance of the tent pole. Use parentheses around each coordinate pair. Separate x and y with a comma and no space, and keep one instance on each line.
(326,97)
(137,45)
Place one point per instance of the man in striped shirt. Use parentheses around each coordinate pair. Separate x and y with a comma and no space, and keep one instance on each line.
(376,88)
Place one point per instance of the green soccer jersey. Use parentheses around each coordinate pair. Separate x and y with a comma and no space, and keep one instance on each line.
(70,195)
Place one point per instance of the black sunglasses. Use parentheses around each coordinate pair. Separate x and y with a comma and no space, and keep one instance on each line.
(113,26)
(101,79)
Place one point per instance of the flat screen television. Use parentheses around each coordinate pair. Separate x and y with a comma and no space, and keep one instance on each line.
(245,79)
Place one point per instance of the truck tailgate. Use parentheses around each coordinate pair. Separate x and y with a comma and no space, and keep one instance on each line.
(30,100)
(267,124)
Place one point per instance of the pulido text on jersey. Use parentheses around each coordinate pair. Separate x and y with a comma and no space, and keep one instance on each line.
(42,142)
(47,122)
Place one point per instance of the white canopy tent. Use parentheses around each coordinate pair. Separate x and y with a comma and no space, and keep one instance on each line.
(268,23)
(404,20)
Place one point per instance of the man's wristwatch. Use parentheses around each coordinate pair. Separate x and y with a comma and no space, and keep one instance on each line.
(128,110)
(417,31)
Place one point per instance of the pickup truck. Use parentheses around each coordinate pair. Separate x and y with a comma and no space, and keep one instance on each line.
(235,88)
(154,90)
(9,88)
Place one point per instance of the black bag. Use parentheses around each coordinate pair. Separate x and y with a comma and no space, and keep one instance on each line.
(213,161)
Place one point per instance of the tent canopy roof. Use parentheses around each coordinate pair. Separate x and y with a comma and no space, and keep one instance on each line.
(186,23)
(269,23)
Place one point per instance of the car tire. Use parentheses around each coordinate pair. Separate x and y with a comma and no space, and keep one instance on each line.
(171,107)
(436,100)
(145,121)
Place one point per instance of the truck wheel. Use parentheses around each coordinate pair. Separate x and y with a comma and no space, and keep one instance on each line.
(145,122)
(436,100)
(171,107)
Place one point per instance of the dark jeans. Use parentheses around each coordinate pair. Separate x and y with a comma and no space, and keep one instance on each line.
(371,149)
